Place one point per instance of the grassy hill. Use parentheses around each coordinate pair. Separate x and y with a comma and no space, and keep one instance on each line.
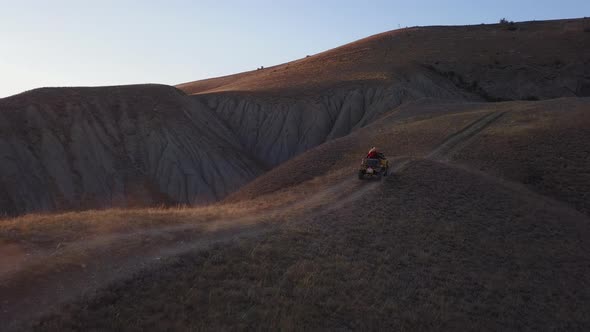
(483,224)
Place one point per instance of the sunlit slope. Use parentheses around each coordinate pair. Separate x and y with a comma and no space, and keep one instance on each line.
(530,59)
(539,145)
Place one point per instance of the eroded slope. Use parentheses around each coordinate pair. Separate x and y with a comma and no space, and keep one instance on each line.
(70,148)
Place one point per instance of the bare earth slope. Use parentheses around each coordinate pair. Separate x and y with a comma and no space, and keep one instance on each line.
(71,148)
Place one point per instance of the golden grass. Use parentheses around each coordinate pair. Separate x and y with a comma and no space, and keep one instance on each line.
(38,245)
(70,226)
(382,57)
(433,248)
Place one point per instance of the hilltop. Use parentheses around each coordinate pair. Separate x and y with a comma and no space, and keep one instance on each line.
(544,59)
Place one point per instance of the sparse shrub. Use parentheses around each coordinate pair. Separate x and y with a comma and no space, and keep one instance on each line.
(532,98)
(460,82)
(512,26)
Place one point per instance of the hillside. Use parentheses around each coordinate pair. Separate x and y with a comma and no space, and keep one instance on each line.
(544,59)
(483,224)
(540,145)
(281,111)
(79,148)
(458,237)
(145,145)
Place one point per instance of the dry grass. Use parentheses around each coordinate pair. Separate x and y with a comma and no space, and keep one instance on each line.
(390,56)
(50,229)
(436,246)
(397,138)
(433,248)
(38,245)
(539,144)
(39,228)
(543,146)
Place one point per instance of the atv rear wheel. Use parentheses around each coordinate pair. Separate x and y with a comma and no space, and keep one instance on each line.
(361,175)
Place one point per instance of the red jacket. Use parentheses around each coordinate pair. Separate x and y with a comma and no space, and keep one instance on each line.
(373,155)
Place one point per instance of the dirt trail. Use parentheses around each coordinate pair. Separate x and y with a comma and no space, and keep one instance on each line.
(26,297)
(107,259)
(454,142)
(83,267)
(461,139)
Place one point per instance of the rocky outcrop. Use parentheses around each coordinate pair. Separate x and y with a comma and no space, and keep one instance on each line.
(114,146)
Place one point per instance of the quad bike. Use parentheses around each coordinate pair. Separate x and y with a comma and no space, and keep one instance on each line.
(373,168)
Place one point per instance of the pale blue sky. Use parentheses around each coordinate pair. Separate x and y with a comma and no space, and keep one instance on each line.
(71,43)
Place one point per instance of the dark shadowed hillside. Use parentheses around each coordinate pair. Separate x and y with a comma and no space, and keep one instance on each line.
(72,148)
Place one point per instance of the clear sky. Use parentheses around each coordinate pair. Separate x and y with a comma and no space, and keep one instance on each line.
(72,43)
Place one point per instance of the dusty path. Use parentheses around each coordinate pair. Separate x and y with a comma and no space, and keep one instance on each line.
(106,259)
(24,297)
(59,276)
(454,142)
(460,139)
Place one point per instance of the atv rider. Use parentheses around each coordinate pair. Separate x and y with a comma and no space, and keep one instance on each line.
(374,154)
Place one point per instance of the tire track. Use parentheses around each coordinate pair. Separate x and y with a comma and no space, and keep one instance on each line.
(455,142)
(461,138)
